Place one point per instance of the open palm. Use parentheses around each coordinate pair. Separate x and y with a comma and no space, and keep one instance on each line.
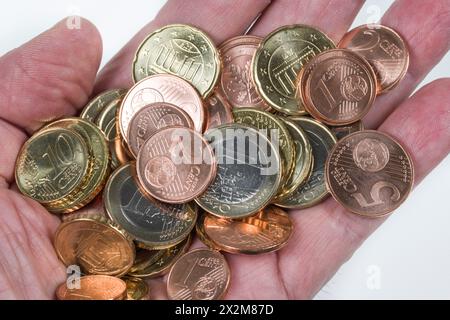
(55,74)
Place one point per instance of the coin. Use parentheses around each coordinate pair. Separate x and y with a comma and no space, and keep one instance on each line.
(201,274)
(218,111)
(180,50)
(369,173)
(236,80)
(248,172)
(152,118)
(303,160)
(137,289)
(275,128)
(93,109)
(95,207)
(176,165)
(99,156)
(314,190)
(159,264)
(337,87)
(342,131)
(156,225)
(94,287)
(385,50)
(106,121)
(96,244)
(161,88)
(267,231)
(51,164)
(278,60)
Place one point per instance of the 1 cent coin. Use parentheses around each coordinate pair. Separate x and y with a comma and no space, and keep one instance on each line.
(218,111)
(176,165)
(152,118)
(201,274)
(369,173)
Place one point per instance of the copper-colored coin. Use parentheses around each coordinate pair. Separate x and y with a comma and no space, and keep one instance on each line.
(337,87)
(96,244)
(176,165)
(201,274)
(152,118)
(162,88)
(94,287)
(218,111)
(137,289)
(342,131)
(266,231)
(236,80)
(385,50)
(369,173)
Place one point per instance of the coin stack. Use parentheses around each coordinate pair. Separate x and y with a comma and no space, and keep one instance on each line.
(218,143)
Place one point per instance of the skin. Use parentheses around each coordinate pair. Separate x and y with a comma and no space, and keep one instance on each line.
(54,75)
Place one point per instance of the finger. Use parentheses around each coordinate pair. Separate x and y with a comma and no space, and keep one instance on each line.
(219,19)
(428,39)
(50,76)
(327,235)
(12,139)
(331,16)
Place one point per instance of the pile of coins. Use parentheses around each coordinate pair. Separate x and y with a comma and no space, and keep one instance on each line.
(217,143)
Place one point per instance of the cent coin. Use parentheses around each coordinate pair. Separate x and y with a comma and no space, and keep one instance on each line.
(94,287)
(218,111)
(201,274)
(369,173)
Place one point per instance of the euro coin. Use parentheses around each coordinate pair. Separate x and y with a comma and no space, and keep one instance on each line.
(218,111)
(93,287)
(181,50)
(93,109)
(343,131)
(137,289)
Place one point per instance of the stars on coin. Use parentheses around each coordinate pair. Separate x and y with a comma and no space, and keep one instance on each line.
(191,37)
(157,39)
(174,34)
(263,71)
(266,53)
(203,48)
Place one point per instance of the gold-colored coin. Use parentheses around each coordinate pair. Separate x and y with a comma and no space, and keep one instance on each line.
(180,50)
(99,170)
(314,190)
(96,244)
(343,131)
(278,61)
(303,160)
(93,109)
(106,121)
(51,165)
(275,127)
(137,289)
(155,263)
(151,223)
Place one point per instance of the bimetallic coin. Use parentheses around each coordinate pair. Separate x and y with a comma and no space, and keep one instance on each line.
(106,121)
(385,50)
(51,165)
(94,287)
(155,225)
(176,165)
(278,61)
(267,231)
(137,289)
(314,190)
(99,156)
(369,173)
(96,244)
(277,133)
(93,109)
(201,274)
(303,160)
(161,88)
(180,50)
(337,87)
(155,263)
(218,111)
(342,131)
(152,118)
(248,174)
(236,80)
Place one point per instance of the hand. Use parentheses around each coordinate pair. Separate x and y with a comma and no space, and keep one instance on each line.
(55,74)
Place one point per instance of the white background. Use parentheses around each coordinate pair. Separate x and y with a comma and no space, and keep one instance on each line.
(408,257)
